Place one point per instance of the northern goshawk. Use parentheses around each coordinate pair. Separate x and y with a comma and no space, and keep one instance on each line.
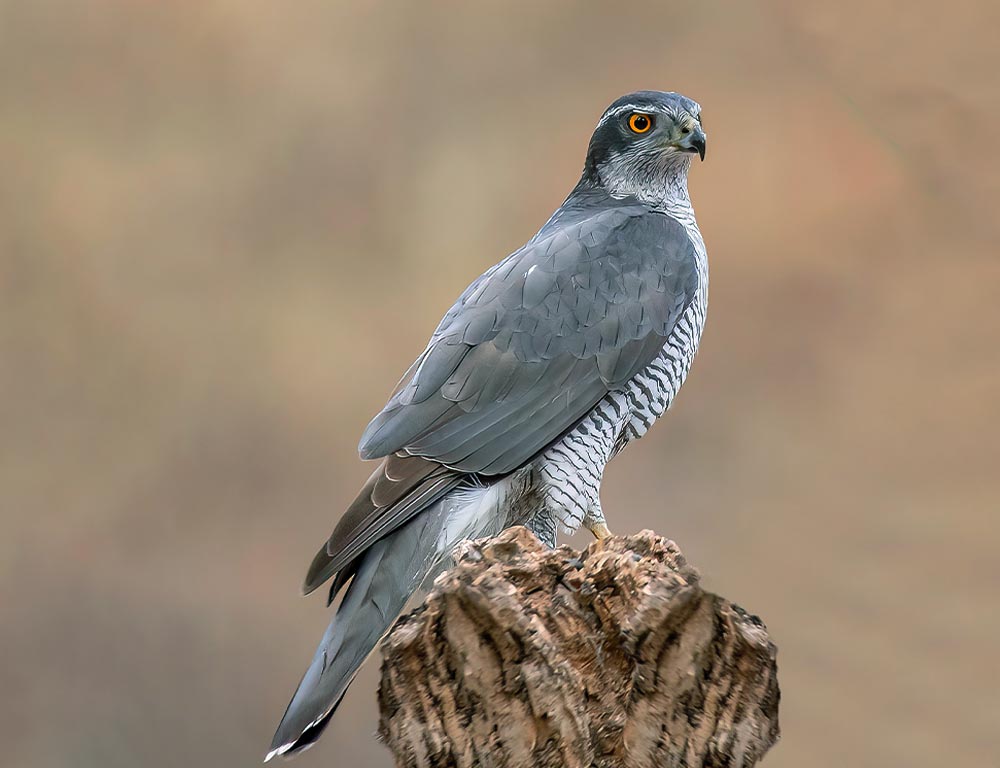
(546,367)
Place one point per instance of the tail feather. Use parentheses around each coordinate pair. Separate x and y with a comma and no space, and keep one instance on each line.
(378,585)
(383,580)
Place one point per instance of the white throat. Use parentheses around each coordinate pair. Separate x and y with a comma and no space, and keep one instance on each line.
(661,182)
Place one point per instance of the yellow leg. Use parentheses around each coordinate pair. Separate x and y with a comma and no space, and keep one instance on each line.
(600,531)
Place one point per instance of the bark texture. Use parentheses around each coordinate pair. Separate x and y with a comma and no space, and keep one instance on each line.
(611,657)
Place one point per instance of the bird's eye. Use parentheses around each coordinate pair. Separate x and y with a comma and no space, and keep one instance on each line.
(640,122)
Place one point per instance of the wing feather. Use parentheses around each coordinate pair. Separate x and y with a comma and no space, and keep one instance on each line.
(401,487)
(533,345)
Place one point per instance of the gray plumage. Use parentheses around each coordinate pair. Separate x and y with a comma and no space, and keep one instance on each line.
(537,341)
(545,367)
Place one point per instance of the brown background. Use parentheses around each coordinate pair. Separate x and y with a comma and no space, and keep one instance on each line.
(227,227)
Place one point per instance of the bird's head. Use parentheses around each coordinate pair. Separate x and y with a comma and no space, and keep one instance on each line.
(643,145)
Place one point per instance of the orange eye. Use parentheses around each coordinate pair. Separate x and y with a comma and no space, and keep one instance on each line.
(640,122)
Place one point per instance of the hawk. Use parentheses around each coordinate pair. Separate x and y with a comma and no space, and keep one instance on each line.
(547,366)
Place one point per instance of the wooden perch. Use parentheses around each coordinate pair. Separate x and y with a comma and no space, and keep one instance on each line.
(613,657)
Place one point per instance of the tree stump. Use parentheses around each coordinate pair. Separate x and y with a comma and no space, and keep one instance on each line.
(611,657)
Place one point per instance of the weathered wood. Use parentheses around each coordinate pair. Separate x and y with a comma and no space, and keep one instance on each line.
(613,657)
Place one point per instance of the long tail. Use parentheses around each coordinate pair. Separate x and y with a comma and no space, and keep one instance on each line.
(385,577)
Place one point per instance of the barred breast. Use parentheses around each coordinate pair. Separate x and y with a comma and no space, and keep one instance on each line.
(569,472)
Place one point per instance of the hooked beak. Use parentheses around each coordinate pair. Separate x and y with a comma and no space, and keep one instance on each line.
(693,141)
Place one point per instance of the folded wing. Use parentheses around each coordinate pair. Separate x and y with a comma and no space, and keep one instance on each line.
(535,343)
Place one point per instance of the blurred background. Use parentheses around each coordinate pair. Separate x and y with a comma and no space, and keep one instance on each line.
(228,226)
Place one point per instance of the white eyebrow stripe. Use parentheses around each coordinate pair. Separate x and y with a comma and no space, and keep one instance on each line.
(645,108)
(626,108)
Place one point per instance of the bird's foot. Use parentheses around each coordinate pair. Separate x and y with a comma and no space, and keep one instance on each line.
(600,531)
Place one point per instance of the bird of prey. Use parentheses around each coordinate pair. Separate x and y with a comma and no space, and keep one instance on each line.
(546,367)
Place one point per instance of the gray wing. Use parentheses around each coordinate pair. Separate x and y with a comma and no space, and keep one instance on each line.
(534,344)
(401,487)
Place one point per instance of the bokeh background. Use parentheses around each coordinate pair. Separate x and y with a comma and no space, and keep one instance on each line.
(227,226)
